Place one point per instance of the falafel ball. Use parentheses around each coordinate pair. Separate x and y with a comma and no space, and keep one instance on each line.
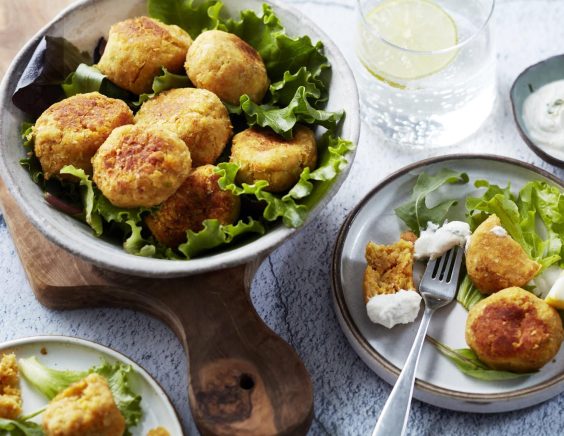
(514,330)
(198,198)
(141,166)
(71,131)
(85,408)
(136,50)
(196,115)
(264,155)
(226,65)
(494,260)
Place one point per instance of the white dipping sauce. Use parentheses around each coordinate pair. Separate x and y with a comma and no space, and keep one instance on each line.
(543,114)
(392,309)
(434,241)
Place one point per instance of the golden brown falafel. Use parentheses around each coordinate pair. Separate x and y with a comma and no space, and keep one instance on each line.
(85,408)
(196,115)
(10,394)
(514,330)
(158,431)
(264,155)
(226,65)
(495,261)
(198,198)
(141,165)
(70,131)
(136,50)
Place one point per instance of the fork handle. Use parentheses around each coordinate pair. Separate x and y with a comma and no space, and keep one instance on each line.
(395,414)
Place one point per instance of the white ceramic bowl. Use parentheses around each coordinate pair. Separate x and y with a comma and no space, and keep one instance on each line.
(83,23)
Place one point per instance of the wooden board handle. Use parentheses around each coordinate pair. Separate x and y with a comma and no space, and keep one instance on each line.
(244,379)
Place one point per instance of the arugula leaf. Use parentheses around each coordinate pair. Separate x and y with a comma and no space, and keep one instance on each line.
(90,79)
(415,213)
(192,16)
(468,295)
(39,86)
(283,120)
(468,363)
(20,428)
(163,82)
(128,402)
(46,380)
(215,234)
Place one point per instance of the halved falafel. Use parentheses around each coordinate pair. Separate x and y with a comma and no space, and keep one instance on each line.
(71,131)
(136,50)
(514,330)
(226,65)
(264,155)
(141,165)
(198,117)
(198,198)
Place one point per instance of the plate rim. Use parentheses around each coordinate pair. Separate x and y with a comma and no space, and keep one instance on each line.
(94,345)
(390,371)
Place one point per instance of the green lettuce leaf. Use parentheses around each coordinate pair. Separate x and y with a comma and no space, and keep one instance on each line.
(283,91)
(215,234)
(191,15)
(468,295)
(89,79)
(283,120)
(46,380)
(20,428)
(415,213)
(163,82)
(30,163)
(468,363)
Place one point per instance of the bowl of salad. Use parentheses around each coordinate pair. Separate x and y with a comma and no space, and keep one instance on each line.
(97,106)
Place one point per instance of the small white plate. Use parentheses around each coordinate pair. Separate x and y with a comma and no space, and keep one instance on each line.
(66,353)
(439,382)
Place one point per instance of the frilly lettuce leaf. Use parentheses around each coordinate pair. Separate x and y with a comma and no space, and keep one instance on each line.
(20,428)
(283,91)
(191,15)
(215,234)
(283,120)
(30,162)
(415,213)
(163,82)
(88,78)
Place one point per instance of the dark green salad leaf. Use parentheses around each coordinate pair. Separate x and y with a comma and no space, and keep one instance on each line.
(90,79)
(163,82)
(468,363)
(50,382)
(39,86)
(20,427)
(191,15)
(30,162)
(415,213)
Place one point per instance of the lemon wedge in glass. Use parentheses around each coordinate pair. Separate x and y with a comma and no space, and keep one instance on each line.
(410,27)
(555,296)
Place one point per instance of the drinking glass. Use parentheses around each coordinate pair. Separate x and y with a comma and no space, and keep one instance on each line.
(438,87)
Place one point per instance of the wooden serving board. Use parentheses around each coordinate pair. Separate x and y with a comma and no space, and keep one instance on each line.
(243,379)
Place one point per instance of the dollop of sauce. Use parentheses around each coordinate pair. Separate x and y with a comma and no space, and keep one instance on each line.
(543,115)
(499,231)
(434,241)
(392,309)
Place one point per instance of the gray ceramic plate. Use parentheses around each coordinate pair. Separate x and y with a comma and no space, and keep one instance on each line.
(66,353)
(83,23)
(527,82)
(439,382)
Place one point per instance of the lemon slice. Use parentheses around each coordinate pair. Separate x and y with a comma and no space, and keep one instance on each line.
(556,295)
(415,26)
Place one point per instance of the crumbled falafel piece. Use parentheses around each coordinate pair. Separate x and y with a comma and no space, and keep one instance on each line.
(136,50)
(141,166)
(10,394)
(158,431)
(263,155)
(198,198)
(389,268)
(71,131)
(514,330)
(197,116)
(226,65)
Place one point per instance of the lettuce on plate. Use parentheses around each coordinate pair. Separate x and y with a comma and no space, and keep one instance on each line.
(20,427)
(51,381)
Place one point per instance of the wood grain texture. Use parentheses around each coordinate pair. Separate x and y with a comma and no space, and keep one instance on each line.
(244,380)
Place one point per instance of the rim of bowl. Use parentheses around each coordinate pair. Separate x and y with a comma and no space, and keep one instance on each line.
(537,149)
(345,316)
(88,343)
(149,267)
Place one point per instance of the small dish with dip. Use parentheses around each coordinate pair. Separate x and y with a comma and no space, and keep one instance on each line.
(537,100)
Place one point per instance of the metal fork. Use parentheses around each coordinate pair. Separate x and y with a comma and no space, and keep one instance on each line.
(438,288)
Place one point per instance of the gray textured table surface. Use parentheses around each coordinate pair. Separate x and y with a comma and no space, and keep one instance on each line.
(291,288)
